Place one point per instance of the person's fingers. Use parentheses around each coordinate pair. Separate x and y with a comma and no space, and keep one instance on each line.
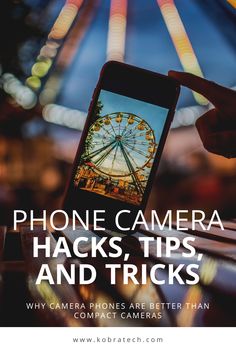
(217,127)
(216,135)
(207,124)
(222,143)
(220,96)
(195,83)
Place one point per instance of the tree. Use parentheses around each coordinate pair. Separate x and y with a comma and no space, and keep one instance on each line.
(98,109)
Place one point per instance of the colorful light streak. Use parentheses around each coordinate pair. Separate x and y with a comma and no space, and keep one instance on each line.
(188,115)
(208,271)
(68,52)
(67,117)
(23,95)
(232,3)
(63,22)
(185,317)
(181,42)
(117,30)
(49,51)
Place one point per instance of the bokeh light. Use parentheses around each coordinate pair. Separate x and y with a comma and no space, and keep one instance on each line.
(33,82)
(56,36)
(232,2)
(181,42)
(117,30)
(23,95)
(70,118)
(41,68)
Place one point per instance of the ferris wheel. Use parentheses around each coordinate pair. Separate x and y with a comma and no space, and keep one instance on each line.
(121,145)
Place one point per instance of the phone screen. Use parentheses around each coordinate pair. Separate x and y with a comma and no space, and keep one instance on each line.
(120,147)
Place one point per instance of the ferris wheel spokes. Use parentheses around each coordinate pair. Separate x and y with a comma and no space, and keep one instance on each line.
(134,134)
(95,152)
(140,152)
(125,129)
(114,158)
(111,125)
(107,131)
(136,142)
(106,154)
(131,158)
(134,177)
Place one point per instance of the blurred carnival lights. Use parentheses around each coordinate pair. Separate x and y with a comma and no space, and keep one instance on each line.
(232,3)
(23,95)
(75,119)
(70,118)
(49,51)
(186,315)
(67,53)
(208,271)
(187,115)
(181,42)
(117,30)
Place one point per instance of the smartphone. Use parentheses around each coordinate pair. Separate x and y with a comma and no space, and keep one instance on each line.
(121,145)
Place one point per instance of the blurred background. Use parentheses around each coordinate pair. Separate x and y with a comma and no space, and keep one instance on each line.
(51,52)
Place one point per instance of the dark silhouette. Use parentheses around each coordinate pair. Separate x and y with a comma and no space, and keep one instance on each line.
(217,127)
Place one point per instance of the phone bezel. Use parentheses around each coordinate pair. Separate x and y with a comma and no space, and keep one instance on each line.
(133,82)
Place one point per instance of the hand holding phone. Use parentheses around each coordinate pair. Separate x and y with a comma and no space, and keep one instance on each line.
(216,127)
(128,121)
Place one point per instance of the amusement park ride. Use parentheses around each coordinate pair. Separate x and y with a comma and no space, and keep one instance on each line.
(118,155)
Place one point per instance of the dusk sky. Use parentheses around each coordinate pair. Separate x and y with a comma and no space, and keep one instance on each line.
(154,115)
